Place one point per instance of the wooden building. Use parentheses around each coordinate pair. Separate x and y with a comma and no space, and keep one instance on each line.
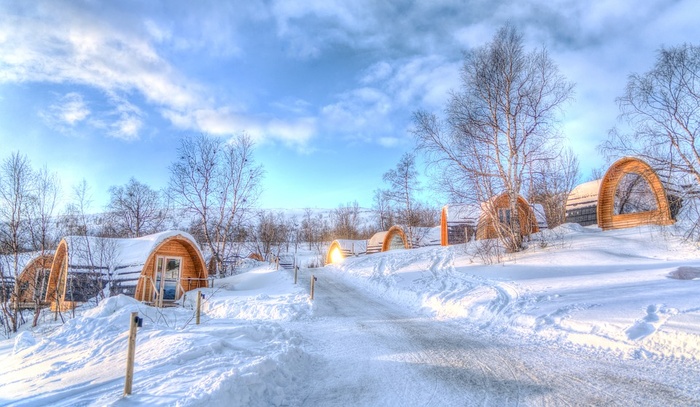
(33,280)
(630,194)
(157,269)
(612,214)
(342,248)
(461,223)
(497,213)
(582,204)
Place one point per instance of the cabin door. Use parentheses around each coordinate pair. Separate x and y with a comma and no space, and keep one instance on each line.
(168,277)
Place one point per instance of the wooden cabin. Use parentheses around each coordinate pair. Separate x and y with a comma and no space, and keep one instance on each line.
(376,242)
(497,212)
(156,269)
(582,203)
(630,194)
(458,223)
(394,239)
(461,223)
(342,248)
(33,281)
(650,203)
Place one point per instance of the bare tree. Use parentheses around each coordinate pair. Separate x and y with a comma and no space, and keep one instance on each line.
(663,108)
(551,183)
(346,221)
(90,275)
(17,183)
(501,121)
(403,187)
(383,212)
(218,182)
(136,209)
(315,231)
(43,229)
(270,234)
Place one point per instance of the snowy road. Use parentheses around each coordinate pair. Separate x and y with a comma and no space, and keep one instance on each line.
(368,351)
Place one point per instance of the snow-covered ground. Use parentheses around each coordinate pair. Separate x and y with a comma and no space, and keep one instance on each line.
(581,317)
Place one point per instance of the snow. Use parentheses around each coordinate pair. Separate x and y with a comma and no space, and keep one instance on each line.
(580,317)
(585,194)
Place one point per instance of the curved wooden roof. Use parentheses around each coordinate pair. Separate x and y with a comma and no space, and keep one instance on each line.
(489,218)
(395,236)
(607,219)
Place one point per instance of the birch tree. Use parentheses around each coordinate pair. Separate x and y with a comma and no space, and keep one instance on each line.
(16,197)
(662,107)
(218,182)
(501,121)
(136,209)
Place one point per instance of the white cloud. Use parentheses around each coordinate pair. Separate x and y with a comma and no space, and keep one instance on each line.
(68,111)
(294,132)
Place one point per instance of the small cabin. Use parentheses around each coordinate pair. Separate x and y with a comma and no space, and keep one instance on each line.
(342,248)
(461,223)
(156,269)
(458,223)
(33,280)
(630,194)
(582,203)
(497,212)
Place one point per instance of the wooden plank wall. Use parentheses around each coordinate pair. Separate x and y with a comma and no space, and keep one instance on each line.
(607,219)
(192,267)
(28,278)
(528,222)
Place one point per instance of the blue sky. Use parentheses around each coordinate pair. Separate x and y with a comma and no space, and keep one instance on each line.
(103,91)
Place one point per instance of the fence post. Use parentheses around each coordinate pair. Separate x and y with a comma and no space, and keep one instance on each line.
(131,352)
(199,305)
(296,271)
(313,280)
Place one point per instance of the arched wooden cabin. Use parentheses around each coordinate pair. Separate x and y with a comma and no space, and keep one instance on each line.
(630,194)
(497,211)
(33,280)
(395,238)
(458,223)
(461,223)
(376,242)
(342,248)
(582,203)
(611,211)
(156,269)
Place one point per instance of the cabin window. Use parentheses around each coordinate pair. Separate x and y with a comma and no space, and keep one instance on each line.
(504,215)
(168,277)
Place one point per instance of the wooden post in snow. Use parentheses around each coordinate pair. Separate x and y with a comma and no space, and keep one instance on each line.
(312,286)
(296,271)
(131,352)
(199,305)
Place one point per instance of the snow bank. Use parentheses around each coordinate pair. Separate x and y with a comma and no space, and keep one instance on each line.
(630,291)
(239,355)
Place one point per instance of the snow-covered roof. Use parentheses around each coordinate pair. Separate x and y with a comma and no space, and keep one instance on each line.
(118,254)
(23,260)
(352,247)
(375,243)
(463,213)
(585,194)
